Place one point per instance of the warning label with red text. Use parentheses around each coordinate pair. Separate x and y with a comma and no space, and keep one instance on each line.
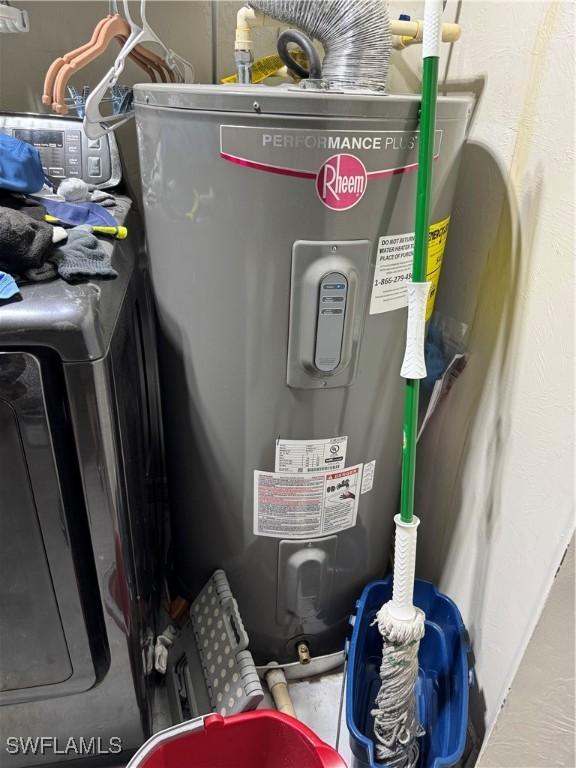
(303,506)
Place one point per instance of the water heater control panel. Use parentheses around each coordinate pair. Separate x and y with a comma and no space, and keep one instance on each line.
(65,150)
(328,294)
(330,324)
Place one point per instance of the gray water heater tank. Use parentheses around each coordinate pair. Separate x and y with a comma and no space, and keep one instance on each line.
(279,226)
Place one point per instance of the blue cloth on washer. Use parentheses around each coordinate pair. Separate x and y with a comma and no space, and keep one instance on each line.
(20,166)
(79,213)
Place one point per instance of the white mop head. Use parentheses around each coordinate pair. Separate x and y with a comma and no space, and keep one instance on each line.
(399,632)
(396,728)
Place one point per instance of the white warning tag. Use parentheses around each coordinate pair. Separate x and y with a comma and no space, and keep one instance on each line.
(394,268)
(305,505)
(393,271)
(310,455)
(341,499)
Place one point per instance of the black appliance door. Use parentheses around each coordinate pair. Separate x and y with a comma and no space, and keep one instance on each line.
(44,648)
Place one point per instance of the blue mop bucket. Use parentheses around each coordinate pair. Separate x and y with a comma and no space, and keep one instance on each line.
(443,680)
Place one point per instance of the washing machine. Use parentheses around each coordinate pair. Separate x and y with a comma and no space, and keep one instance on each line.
(81,491)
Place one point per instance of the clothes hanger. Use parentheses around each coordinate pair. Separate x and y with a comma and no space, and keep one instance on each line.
(96,124)
(111,27)
(139,57)
(149,60)
(184,68)
(57,64)
(146,60)
(154,61)
(177,68)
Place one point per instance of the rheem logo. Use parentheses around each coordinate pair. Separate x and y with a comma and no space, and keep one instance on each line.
(341,182)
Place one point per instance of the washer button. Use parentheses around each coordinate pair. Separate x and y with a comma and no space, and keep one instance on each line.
(93,143)
(94,166)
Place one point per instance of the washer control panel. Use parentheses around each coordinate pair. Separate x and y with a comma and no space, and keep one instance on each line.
(64,148)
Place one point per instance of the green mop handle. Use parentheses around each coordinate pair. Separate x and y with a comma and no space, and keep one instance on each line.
(413,368)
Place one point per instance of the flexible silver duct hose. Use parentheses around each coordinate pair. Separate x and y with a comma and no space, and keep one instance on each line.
(355,34)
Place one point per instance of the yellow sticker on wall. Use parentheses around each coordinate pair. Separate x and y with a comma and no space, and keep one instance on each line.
(437,236)
(394,268)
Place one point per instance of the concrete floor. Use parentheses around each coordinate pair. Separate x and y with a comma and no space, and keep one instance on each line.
(536,726)
(317,703)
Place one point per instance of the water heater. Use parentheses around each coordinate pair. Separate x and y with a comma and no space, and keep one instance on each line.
(280,225)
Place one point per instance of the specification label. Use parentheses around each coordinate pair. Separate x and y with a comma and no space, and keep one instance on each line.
(368,476)
(306,505)
(394,268)
(310,455)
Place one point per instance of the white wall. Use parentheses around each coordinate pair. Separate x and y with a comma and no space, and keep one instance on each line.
(496,465)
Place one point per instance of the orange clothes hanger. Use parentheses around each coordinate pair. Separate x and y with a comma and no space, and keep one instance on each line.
(113,26)
(57,64)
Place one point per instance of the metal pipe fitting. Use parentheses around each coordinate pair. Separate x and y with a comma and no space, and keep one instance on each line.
(303,653)
(244,61)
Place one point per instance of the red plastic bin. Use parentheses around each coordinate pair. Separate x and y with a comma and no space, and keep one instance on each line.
(261,739)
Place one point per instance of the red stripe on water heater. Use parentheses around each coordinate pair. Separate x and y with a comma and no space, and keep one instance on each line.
(394,171)
(310,174)
(268,168)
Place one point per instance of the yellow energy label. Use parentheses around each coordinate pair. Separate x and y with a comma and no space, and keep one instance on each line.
(437,236)
(394,268)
